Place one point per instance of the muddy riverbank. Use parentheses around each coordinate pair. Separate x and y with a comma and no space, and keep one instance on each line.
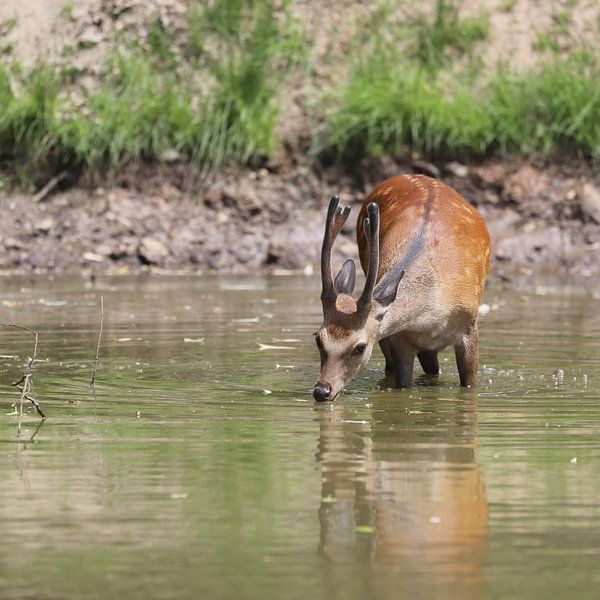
(542,217)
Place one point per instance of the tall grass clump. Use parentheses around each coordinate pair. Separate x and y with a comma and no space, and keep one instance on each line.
(211,97)
(248,54)
(214,103)
(554,107)
(28,113)
(390,105)
(138,113)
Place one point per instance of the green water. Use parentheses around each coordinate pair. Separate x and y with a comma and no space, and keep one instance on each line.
(205,470)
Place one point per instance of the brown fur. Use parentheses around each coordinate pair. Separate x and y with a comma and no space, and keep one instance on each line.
(456,247)
(436,245)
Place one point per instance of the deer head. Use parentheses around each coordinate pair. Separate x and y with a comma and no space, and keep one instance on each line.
(345,339)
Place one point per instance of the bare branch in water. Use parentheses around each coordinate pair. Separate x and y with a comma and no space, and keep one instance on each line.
(93,381)
(24,383)
(31,399)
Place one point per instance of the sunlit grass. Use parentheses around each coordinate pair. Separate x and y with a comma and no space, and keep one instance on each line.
(214,102)
(28,114)
(211,95)
(390,105)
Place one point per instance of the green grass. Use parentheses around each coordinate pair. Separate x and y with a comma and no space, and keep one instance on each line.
(546,42)
(212,93)
(28,116)
(425,98)
(554,107)
(390,105)
(445,33)
(67,10)
(218,105)
(138,114)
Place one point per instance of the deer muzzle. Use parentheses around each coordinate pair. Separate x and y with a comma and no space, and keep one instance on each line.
(322,392)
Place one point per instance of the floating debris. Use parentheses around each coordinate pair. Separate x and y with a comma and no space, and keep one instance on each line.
(328,499)
(364,529)
(270,347)
(249,320)
(241,287)
(484,309)
(12,303)
(52,302)
(573,461)
(435,520)
(193,340)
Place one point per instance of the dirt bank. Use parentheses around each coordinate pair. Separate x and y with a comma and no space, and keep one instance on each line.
(543,218)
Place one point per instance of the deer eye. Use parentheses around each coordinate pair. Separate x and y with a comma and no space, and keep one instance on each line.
(359,349)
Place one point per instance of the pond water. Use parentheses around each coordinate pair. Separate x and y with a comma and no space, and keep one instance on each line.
(203,468)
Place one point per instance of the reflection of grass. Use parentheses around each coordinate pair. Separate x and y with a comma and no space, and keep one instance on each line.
(389,104)
(215,106)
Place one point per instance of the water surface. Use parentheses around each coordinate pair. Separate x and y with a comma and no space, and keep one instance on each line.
(203,468)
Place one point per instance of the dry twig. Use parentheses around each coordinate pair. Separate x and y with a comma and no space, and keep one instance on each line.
(41,195)
(24,383)
(93,381)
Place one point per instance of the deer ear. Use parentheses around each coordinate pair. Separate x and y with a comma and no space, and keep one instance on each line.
(385,293)
(346,278)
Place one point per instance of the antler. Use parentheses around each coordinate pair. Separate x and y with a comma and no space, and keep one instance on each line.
(336,217)
(371,228)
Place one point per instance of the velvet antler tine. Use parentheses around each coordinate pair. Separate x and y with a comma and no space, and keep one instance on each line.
(336,217)
(326,277)
(371,227)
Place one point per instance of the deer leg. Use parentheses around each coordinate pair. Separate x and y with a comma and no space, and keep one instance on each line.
(429,361)
(467,357)
(387,352)
(403,357)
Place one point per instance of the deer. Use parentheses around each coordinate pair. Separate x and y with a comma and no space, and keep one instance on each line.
(425,252)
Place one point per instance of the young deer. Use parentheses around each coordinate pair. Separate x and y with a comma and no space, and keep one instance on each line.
(438,246)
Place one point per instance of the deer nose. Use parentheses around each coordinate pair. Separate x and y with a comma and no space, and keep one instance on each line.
(322,392)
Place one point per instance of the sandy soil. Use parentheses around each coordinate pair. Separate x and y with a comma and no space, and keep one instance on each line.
(37,32)
(43,26)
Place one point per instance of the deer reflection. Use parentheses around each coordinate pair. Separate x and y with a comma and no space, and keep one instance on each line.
(411,477)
